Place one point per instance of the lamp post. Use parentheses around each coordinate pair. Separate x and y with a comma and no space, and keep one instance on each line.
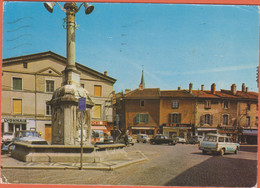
(65,99)
(71,75)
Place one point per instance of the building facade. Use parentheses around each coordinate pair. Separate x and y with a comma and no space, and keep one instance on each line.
(28,83)
(191,112)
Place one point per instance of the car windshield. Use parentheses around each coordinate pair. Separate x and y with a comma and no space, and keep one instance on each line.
(145,136)
(210,138)
(27,134)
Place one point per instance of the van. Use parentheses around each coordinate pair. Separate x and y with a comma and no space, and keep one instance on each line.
(142,138)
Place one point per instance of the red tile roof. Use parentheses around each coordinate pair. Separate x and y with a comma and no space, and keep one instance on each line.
(144,93)
(175,93)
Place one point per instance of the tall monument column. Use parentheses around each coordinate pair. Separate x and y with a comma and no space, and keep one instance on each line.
(66,120)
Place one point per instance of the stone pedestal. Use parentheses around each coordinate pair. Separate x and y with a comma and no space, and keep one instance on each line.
(66,121)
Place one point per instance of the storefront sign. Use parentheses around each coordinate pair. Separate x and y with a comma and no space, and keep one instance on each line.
(98,123)
(14,120)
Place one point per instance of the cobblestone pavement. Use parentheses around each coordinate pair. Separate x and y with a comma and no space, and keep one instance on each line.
(180,165)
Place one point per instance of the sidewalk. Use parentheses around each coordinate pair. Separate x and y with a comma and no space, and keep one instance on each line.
(8,162)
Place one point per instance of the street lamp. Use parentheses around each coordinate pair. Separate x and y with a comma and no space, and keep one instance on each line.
(70,8)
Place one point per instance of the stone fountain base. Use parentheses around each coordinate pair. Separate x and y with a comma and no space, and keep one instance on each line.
(68,153)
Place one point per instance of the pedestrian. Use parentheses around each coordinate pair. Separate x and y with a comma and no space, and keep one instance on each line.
(126,139)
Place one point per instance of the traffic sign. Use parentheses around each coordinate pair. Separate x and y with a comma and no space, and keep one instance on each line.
(82,104)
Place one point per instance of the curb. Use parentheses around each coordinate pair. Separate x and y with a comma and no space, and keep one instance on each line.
(75,168)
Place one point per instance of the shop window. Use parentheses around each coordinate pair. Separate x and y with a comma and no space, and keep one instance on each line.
(175,104)
(134,131)
(49,85)
(225,119)
(97,91)
(17,106)
(97,111)
(142,131)
(150,132)
(226,104)
(10,127)
(142,118)
(174,118)
(23,126)
(17,83)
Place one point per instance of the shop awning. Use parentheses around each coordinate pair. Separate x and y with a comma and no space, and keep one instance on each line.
(206,129)
(143,128)
(103,128)
(250,132)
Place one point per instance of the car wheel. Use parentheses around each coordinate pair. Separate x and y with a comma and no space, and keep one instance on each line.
(204,152)
(144,141)
(137,141)
(222,152)
(236,151)
(132,144)
(153,142)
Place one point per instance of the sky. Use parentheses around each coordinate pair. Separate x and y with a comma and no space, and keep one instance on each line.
(175,44)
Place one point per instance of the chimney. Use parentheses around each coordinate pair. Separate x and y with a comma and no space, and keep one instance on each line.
(190,88)
(213,88)
(234,89)
(243,87)
(247,89)
(179,88)
(202,87)
(105,73)
(127,91)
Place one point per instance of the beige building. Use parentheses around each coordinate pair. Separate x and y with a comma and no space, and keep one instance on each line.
(28,82)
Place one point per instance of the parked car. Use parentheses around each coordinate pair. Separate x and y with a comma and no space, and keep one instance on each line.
(179,139)
(192,140)
(142,138)
(25,136)
(161,139)
(130,140)
(8,136)
(108,139)
(218,143)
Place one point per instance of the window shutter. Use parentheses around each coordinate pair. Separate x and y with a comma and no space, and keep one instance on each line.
(211,119)
(137,118)
(17,106)
(179,118)
(202,120)
(146,118)
(170,120)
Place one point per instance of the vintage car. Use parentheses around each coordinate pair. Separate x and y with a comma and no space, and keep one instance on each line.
(218,143)
(142,138)
(130,140)
(193,140)
(25,136)
(179,139)
(8,136)
(161,139)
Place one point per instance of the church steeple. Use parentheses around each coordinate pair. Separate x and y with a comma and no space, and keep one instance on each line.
(142,83)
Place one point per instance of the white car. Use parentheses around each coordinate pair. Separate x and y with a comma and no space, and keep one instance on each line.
(218,143)
(180,140)
(8,137)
